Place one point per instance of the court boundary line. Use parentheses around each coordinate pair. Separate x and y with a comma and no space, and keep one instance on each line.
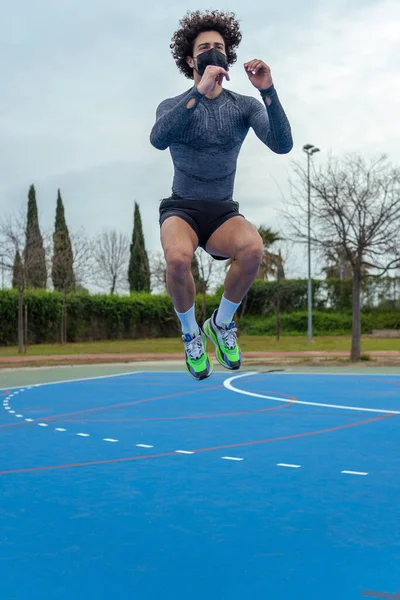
(36,385)
(270,373)
(228,385)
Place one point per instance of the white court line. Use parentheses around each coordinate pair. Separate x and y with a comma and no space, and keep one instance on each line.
(36,385)
(228,385)
(183,452)
(231,458)
(83,434)
(354,473)
(109,440)
(285,373)
(42,424)
(289,466)
(59,429)
(29,420)
(144,446)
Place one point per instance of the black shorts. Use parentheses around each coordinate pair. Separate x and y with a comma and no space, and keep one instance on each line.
(203,216)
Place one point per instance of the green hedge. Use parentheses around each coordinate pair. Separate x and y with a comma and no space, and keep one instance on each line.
(102,317)
(324,323)
(330,294)
(92,317)
(292,294)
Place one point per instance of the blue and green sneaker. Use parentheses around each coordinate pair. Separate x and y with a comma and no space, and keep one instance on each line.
(224,339)
(198,364)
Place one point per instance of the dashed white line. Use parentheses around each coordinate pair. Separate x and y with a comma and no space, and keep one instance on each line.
(189,452)
(19,416)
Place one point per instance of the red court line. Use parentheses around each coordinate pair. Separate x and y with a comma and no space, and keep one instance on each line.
(224,447)
(112,406)
(54,418)
(384,380)
(133,402)
(17,424)
(209,416)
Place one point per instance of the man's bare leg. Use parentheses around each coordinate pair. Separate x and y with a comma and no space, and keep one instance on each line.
(240,241)
(179,243)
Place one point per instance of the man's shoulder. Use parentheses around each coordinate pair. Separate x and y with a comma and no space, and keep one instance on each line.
(175,99)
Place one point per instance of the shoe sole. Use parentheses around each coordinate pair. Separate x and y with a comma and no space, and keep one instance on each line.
(217,350)
(204,376)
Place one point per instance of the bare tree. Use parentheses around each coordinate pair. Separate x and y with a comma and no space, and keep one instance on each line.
(111,257)
(158,271)
(15,260)
(355,208)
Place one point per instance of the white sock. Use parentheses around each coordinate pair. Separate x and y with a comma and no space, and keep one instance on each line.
(188,321)
(226,311)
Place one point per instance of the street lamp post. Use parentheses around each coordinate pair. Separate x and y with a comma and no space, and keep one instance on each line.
(309,149)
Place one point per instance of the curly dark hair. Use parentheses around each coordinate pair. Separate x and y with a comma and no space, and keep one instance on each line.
(196,22)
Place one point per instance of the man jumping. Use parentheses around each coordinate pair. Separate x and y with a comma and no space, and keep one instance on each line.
(204,128)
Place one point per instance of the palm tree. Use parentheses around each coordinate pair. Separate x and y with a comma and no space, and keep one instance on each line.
(272,264)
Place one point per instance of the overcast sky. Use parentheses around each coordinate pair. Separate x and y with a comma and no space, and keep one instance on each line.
(81,83)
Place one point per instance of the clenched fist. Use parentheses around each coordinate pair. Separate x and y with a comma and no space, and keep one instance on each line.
(259,74)
(211,77)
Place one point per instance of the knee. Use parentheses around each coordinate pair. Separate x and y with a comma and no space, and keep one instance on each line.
(252,254)
(178,263)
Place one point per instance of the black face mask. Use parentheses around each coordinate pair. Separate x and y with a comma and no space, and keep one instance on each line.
(211,57)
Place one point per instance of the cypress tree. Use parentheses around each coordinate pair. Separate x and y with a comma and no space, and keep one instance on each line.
(139,269)
(62,268)
(34,255)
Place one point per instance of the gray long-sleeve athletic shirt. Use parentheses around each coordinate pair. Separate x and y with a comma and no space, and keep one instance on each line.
(205,140)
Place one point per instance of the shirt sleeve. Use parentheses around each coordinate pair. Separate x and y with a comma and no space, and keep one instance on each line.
(171,119)
(270,123)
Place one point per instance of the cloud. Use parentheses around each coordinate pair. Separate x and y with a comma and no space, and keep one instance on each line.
(81,83)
